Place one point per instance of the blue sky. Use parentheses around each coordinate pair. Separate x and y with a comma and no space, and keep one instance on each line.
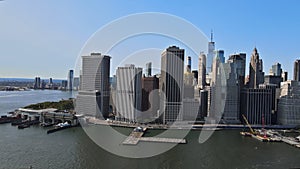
(44,38)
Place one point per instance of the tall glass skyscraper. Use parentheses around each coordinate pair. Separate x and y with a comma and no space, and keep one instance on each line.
(210,54)
(70,79)
(171,84)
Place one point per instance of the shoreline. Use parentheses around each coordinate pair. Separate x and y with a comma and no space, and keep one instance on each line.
(179,126)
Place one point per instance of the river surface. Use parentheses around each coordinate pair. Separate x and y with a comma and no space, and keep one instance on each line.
(72,148)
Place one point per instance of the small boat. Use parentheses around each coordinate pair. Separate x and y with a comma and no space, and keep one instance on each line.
(62,124)
(261,138)
(22,126)
(246,134)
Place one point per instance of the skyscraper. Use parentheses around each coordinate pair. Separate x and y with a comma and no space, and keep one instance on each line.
(225,94)
(37,83)
(284,76)
(220,55)
(202,71)
(276,70)
(257,105)
(195,79)
(171,84)
(210,54)
(128,93)
(288,104)
(150,103)
(64,84)
(231,111)
(70,79)
(188,76)
(94,94)
(256,74)
(76,83)
(239,61)
(148,72)
(218,58)
(189,64)
(297,70)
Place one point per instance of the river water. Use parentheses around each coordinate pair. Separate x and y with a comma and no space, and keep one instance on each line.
(72,148)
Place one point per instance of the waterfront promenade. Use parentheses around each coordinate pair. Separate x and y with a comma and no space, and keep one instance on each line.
(181,125)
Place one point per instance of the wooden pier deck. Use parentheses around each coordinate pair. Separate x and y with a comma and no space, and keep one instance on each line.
(136,136)
(163,140)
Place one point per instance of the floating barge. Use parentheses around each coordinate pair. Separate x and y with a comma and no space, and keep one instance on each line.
(29,122)
(57,129)
(60,126)
(8,119)
(22,126)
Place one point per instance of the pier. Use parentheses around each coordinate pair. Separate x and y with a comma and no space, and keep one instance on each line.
(136,136)
(291,141)
(49,116)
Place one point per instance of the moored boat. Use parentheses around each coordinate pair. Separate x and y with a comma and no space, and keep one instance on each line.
(22,126)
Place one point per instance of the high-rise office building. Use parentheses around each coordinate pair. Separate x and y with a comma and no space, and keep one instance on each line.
(276,70)
(220,55)
(284,76)
(148,72)
(210,54)
(239,61)
(188,64)
(289,103)
(203,109)
(256,74)
(225,93)
(76,83)
(188,75)
(150,103)
(270,79)
(37,83)
(239,66)
(218,58)
(257,105)
(231,112)
(195,79)
(43,84)
(50,83)
(70,80)
(128,93)
(171,83)
(94,94)
(297,70)
(64,84)
(202,71)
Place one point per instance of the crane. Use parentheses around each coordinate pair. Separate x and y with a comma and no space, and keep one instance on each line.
(252,131)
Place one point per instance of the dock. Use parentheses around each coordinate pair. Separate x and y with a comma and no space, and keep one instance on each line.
(291,141)
(58,129)
(136,136)
(163,140)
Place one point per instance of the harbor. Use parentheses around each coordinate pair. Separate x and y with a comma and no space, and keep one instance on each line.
(24,118)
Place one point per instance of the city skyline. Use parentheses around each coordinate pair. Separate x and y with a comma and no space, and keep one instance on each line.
(257,24)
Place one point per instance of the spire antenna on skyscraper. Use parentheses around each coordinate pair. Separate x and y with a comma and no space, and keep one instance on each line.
(211,35)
